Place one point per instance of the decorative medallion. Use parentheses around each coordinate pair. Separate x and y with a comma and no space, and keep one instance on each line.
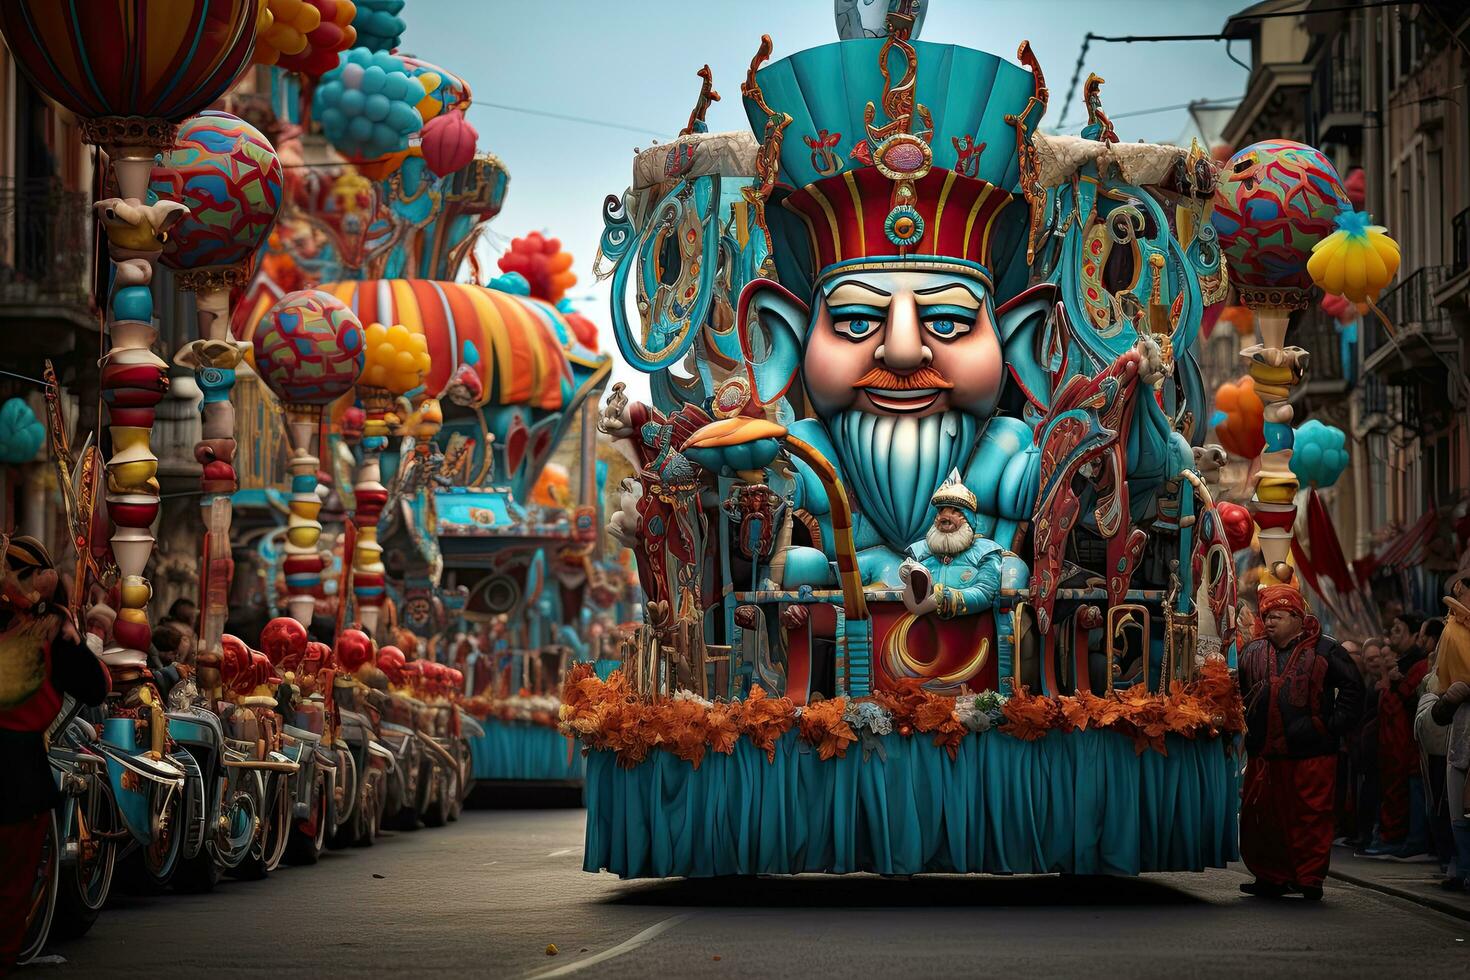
(904,226)
(903,156)
(731,398)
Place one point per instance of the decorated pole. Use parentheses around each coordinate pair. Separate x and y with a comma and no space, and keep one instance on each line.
(130,96)
(396,362)
(1276,210)
(228,175)
(309,352)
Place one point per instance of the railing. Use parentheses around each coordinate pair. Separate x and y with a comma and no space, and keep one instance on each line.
(45,243)
(1409,306)
(1460,243)
(1317,332)
(1337,84)
(1373,396)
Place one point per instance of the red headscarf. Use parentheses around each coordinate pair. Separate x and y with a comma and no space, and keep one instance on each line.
(1287,597)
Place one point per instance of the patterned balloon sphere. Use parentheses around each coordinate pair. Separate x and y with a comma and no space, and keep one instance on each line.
(1275,200)
(228,175)
(309,348)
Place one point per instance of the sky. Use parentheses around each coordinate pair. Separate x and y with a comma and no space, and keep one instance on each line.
(630,64)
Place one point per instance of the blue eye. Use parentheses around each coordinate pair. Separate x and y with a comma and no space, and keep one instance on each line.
(856,321)
(947,322)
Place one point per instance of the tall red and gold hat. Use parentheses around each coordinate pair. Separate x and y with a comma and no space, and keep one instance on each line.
(895,150)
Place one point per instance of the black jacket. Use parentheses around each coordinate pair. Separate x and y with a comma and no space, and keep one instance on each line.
(1320,700)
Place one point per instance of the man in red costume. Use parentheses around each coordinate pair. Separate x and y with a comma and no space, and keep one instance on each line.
(42,658)
(1302,694)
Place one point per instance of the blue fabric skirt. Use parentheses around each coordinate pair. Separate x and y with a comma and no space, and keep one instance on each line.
(1082,802)
(509,750)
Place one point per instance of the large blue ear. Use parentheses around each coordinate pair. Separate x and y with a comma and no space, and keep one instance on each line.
(671,261)
(772,322)
(1021,321)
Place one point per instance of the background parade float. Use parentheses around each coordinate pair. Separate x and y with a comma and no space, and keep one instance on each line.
(375,441)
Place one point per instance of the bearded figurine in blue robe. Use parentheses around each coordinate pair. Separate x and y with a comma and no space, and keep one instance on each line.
(954,571)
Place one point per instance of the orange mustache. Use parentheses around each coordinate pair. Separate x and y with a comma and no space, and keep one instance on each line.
(882,377)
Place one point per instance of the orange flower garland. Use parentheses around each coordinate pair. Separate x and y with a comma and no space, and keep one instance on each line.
(822,725)
(607,715)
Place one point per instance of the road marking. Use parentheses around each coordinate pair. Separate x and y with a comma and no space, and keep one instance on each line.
(627,946)
(564,852)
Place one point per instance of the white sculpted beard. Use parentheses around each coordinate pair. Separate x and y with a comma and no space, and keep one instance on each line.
(892,464)
(955,542)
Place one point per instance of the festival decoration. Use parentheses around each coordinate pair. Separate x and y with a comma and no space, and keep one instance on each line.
(292,21)
(1357,261)
(378,25)
(396,362)
(1319,454)
(1236,520)
(1240,319)
(542,263)
(309,352)
(227,173)
(21,434)
(515,361)
(130,95)
(354,650)
(1238,418)
(325,42)
(449,143)
(606,714)
(1285,223)
(367,105)
(1339,308)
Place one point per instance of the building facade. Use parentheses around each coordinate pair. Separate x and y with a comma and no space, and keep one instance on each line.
(1382,91)
(47,285)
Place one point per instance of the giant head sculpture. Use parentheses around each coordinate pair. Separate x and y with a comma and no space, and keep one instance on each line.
(895,208)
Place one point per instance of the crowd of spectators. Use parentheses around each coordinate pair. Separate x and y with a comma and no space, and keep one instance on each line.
(1401,770)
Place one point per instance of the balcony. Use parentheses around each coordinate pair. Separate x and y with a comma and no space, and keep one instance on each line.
(45,264)
(1372,398)
(1456,288)
(1337,93)
(1423,330)
(1328,376)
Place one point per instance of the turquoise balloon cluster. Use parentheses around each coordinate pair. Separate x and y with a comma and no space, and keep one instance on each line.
(366,105)
(378,25)
(21,433)
(1319,454)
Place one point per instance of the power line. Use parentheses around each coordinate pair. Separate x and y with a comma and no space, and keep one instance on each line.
(1196,104)
(566,118)
(1150,38)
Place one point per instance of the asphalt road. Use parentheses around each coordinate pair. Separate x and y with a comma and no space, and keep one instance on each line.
(485,896)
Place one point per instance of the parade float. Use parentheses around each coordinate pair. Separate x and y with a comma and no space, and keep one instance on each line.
(934,581)
(466,391)
(233,759)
